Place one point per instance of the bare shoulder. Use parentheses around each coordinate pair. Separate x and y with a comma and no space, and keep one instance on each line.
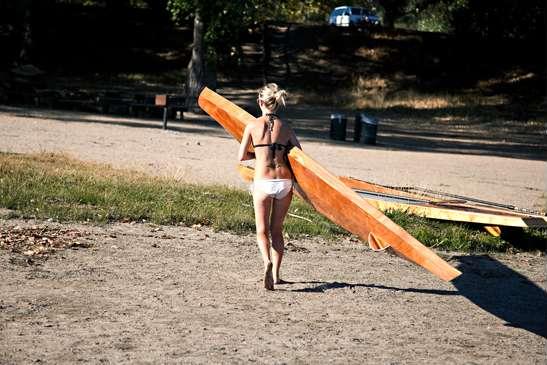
(257,122)
(260,120)
(251,125)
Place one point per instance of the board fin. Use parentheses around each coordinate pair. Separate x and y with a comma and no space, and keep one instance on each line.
(376,244)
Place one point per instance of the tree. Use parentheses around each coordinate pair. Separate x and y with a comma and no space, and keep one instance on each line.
(392,9)
(216,28)
(195,79)
(24,21)
(218,32)
(502,19)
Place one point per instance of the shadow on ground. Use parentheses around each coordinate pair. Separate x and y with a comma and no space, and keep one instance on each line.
(322,287)
(442,130)
(487,283)
(203,126)
(405,129)
(503,292)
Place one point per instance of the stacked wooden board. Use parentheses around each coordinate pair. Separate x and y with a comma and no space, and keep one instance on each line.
(448,207)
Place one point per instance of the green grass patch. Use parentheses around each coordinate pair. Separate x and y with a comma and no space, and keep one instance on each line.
(448,235)
(55,186)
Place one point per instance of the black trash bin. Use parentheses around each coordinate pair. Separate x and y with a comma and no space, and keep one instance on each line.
(365,129)
(357,128)
(338,124)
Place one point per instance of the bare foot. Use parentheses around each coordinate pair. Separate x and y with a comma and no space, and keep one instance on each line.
(268,278)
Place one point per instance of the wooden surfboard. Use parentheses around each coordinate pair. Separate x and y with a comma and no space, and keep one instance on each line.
(332,198)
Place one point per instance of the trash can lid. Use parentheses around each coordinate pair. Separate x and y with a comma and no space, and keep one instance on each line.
(336,116)
(368,120)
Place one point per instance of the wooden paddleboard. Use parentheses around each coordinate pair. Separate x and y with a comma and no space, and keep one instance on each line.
(329,196)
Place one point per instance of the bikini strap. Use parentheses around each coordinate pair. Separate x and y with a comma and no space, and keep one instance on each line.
(273,146)
(261,145)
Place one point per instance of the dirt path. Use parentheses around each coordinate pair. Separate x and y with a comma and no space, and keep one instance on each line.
(147,294)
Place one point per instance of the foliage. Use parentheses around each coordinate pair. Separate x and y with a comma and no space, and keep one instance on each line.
(304,11)
(486,19)
(223,24)
(503,19)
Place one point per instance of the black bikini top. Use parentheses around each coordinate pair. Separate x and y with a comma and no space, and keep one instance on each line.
(273,146)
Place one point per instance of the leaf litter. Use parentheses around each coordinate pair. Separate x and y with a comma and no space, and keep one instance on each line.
(40,241)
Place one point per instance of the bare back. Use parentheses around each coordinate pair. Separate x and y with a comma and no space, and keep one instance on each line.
(272,142)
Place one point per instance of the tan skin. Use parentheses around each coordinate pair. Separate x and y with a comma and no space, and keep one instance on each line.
(269,212)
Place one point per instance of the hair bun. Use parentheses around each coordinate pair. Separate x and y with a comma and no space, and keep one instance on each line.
(280,96)
(272,96)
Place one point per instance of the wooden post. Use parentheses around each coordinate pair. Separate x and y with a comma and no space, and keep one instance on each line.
(161,100)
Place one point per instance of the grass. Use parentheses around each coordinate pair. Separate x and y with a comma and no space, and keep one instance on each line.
(55,186)
(58,187)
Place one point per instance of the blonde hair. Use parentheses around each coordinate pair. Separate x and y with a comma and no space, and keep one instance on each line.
(272,96)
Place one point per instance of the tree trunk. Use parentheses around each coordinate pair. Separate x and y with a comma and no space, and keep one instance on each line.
(287,52)
(266,51)
(392,10)
(388,22)
(195,79)
(24,11)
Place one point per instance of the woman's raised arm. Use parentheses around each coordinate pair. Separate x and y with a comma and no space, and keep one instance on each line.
(244,153)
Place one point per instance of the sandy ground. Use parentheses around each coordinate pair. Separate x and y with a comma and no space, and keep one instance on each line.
(147,294)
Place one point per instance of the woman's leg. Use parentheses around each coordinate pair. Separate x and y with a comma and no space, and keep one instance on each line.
(262,207)
(279,211)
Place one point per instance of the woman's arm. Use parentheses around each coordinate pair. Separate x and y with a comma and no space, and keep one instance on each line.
(244,153)
(294,141)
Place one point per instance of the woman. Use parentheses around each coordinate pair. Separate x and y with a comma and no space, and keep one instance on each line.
(271,139)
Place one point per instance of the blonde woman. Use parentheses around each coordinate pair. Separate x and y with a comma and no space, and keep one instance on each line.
(271,139)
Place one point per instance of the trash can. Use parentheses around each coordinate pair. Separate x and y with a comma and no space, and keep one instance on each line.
(357,128)
(366,129)
(338,127)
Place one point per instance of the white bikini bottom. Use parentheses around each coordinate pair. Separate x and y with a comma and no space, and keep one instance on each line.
(274,188)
